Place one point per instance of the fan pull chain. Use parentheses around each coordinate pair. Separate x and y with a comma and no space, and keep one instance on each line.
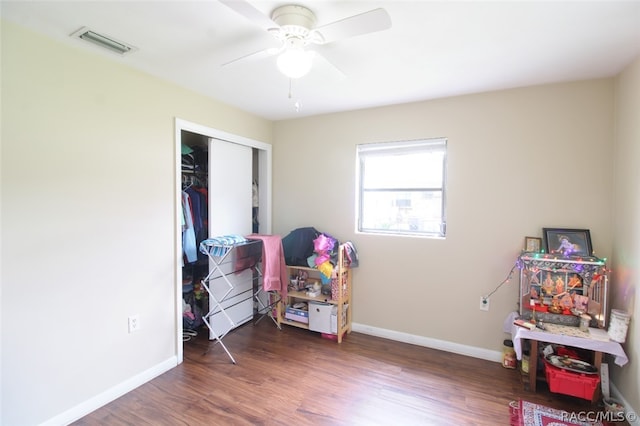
(296,104)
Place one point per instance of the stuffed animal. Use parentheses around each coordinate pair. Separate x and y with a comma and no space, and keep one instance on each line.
(323,245)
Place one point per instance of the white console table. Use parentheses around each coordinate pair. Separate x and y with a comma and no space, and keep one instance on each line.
(598,342)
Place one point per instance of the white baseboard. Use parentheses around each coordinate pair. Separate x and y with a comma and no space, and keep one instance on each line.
(112,394)
(427,342)
(471,351)
(631,415)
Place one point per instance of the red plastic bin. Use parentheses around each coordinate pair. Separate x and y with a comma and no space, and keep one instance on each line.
(570,383)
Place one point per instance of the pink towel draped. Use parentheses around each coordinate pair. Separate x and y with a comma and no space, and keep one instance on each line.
(274,274)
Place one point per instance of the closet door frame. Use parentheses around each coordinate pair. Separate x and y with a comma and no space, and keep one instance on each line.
(264,213)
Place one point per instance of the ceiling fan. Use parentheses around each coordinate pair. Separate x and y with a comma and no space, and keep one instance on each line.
(294,26)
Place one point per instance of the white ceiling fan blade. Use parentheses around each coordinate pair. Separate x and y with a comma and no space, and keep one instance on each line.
(260,54)
(247,10)
(364,23)
(321,62)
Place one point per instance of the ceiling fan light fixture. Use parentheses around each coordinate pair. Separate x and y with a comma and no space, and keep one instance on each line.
(295,63)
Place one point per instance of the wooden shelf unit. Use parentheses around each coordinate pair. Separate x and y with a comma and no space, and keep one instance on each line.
(341,292)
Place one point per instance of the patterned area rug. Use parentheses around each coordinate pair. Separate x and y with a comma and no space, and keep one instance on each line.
(524,413)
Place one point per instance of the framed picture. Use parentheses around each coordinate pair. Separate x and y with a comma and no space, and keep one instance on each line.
(567,242)
(532,244)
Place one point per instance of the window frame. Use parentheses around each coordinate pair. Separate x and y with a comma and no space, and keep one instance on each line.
(366,150)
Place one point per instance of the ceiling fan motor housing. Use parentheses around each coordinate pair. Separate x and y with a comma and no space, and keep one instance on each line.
(295,21)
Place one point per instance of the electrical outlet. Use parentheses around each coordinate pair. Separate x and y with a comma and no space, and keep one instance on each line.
(484,303)
(134,323)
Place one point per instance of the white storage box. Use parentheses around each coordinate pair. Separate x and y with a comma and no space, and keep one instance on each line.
(320,316)
(323,317)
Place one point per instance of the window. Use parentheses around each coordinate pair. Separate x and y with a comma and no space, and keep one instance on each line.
(401,187)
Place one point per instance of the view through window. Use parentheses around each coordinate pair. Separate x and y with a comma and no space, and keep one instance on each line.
(401,187)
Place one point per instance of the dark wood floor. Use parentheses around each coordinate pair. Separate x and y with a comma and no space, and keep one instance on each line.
(294,377)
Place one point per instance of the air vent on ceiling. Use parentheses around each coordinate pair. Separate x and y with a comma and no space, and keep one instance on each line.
(102,40)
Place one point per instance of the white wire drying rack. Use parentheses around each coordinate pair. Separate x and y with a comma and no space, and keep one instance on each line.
(228,255)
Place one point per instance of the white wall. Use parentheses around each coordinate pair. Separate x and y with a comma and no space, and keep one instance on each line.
(88,174)
(626,224)
(518,160)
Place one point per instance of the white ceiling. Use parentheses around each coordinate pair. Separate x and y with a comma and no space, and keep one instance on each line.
(434,49)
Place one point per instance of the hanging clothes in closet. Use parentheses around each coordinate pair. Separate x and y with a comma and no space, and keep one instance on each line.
(255,204)
(199,209)
(195,217)
(189,246)
(194,203)
(195,221)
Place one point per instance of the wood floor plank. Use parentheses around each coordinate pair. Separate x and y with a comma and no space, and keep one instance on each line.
(295,377)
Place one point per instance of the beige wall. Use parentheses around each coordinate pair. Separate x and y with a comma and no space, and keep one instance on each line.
(626,225)
(88,225)
(518,160)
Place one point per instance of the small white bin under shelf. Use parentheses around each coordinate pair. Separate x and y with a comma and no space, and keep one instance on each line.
(320,317)
(323,317)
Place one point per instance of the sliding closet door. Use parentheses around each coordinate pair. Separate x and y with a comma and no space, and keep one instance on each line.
(230,172)
(230,179)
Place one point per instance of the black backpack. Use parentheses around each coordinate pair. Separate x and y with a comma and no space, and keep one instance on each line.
(298,245)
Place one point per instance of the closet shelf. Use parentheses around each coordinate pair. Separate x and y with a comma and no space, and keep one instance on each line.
(194,172)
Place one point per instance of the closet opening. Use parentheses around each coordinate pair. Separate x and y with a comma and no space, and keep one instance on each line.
(223,186)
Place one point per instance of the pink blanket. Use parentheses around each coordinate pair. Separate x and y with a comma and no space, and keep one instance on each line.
(274,274)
